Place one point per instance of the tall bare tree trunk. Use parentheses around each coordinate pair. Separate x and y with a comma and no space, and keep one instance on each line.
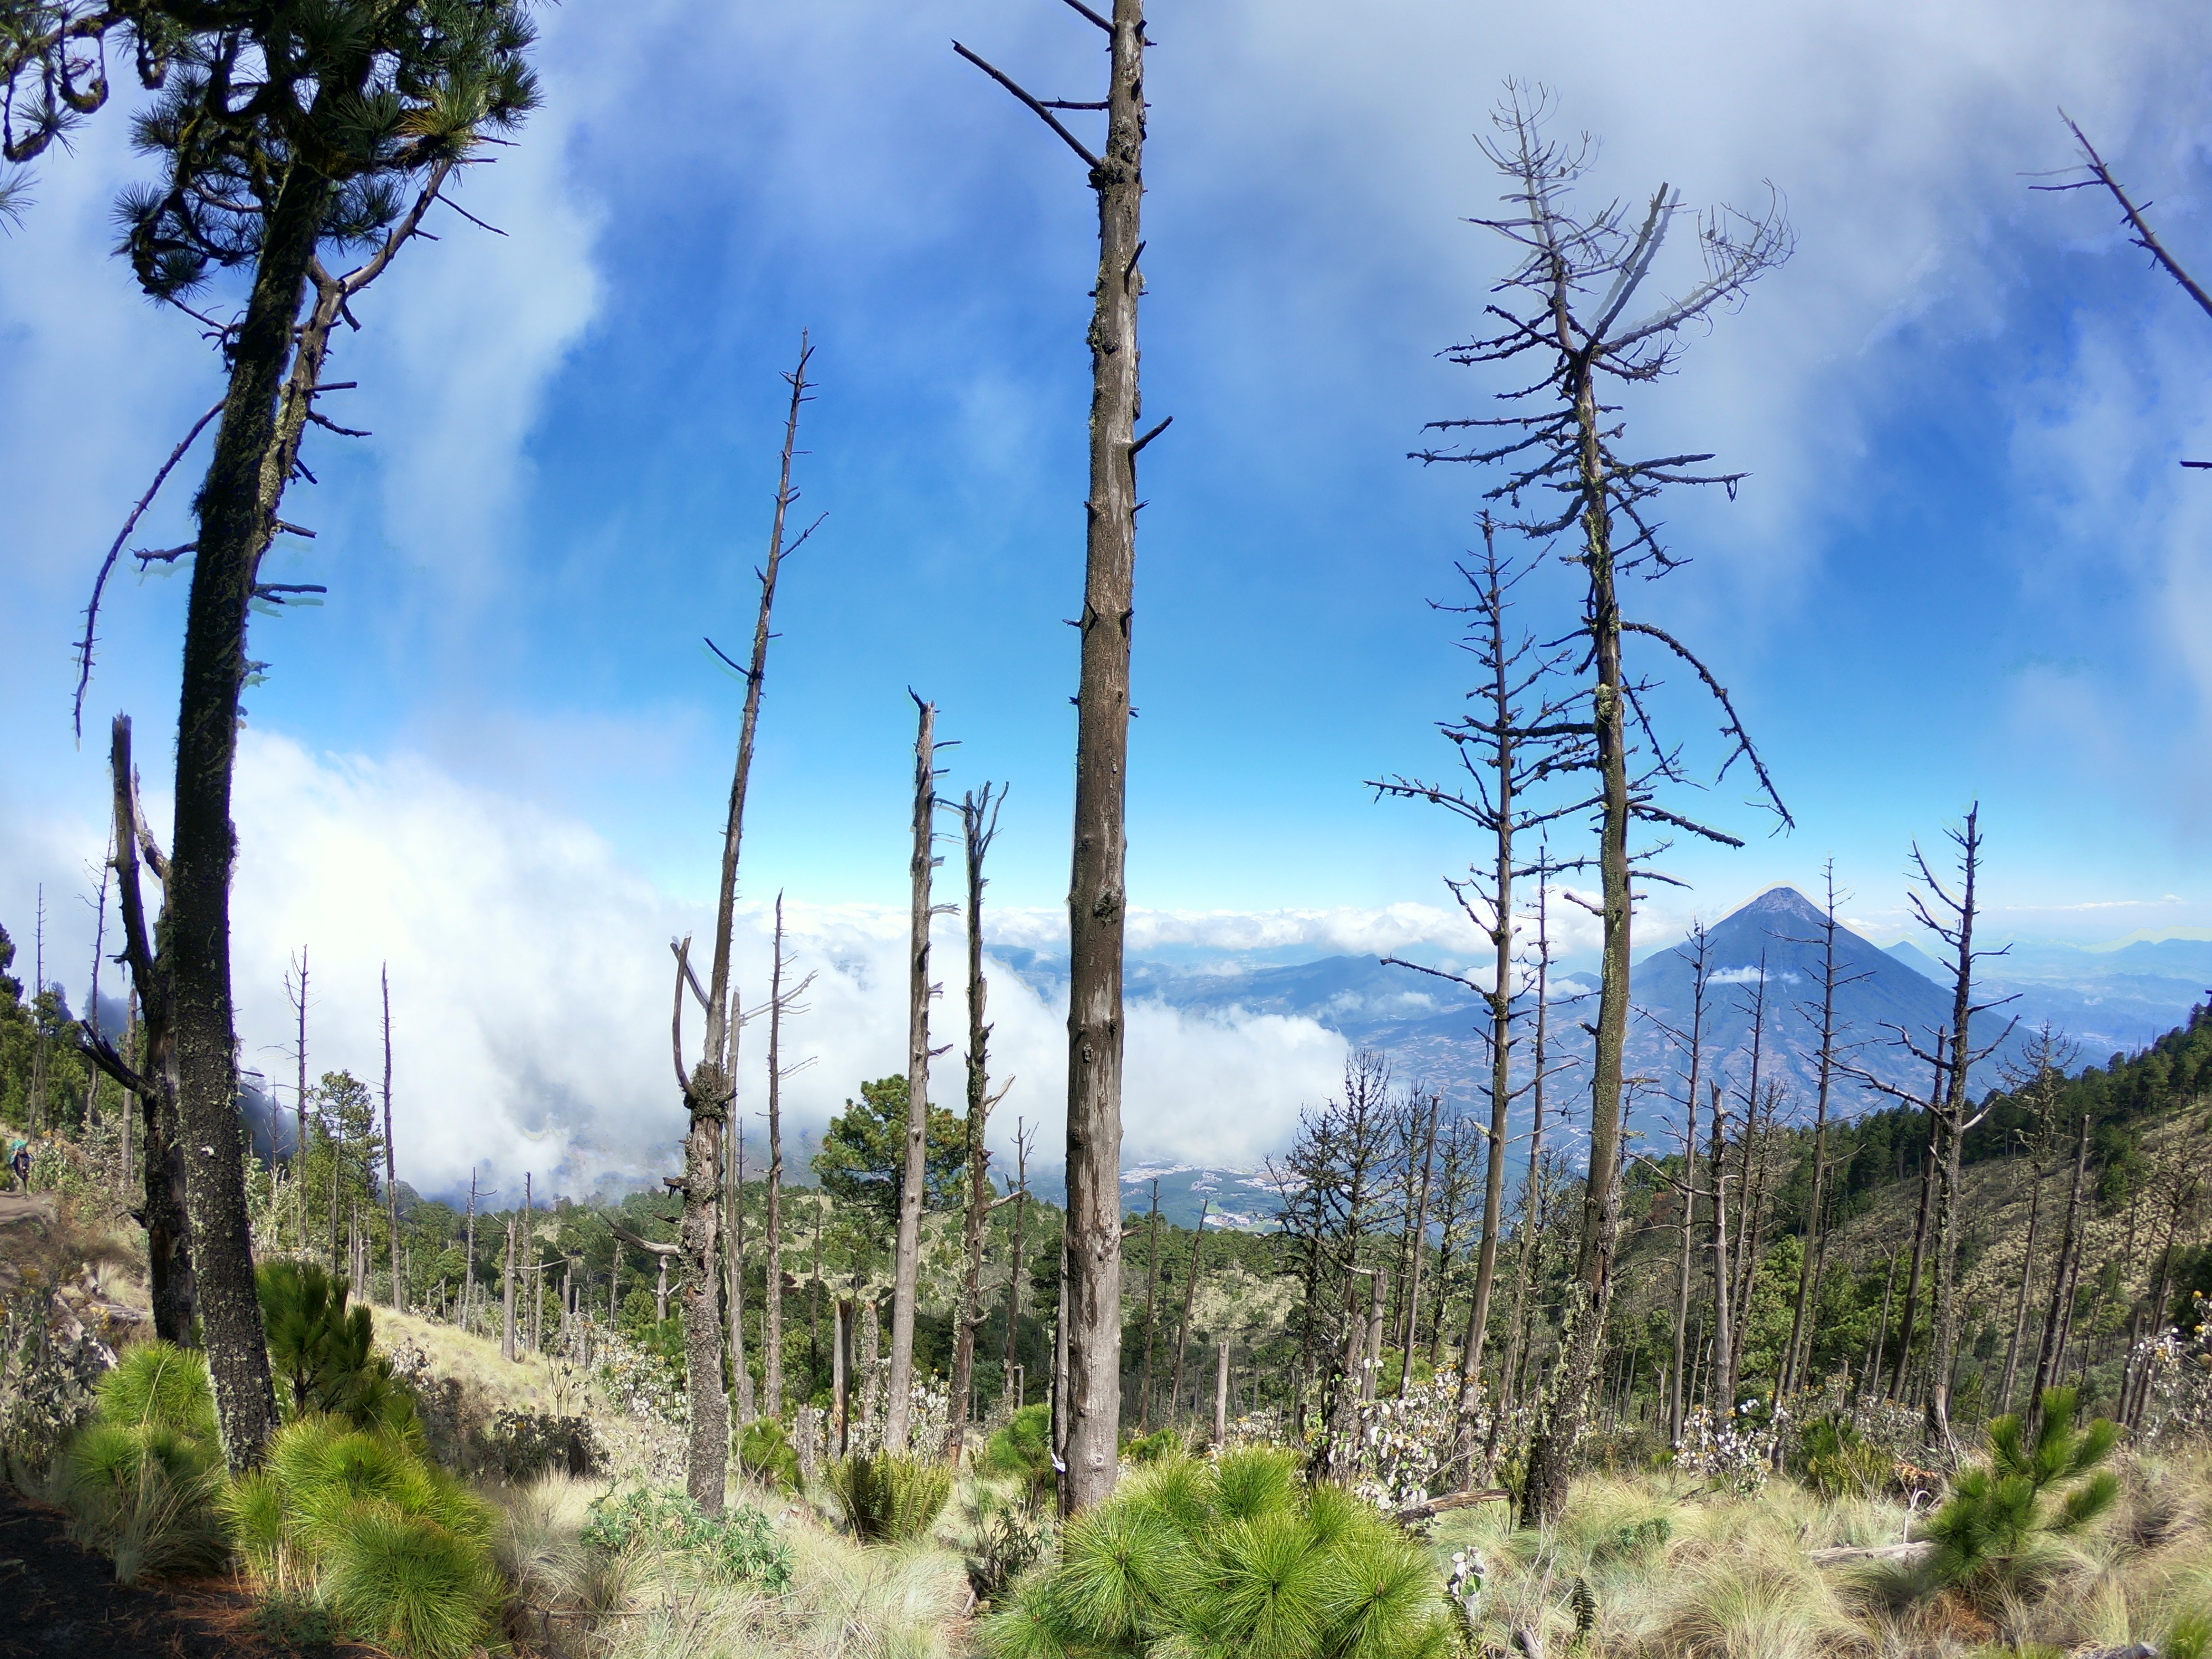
(1919,1235)
(733,1248)
(1793,1371)
(1097,900)
(469,1255)
(1152,1292)
(1221,1390)
(1189,1297)
(1531,1208)
(913,1188)
(772,1305)
(299,1091)
(507,1294)
(1501,1075)
(1550,1457)
(2051,1353)
(1014,1270)
(978,825)
(1674,1391)
(2027,1279)
(1418,1236)
(391,1155)
(1722,1385)
(708,1088)
(1955,1120)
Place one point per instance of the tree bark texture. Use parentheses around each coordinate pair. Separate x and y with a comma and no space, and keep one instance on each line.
(906,1267)
(161,1161)
(708,1088)
(1550,1457)
(772,1305)
(976,826)
(1097,900)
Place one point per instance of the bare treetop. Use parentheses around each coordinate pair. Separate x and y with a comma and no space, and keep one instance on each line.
(1566,302)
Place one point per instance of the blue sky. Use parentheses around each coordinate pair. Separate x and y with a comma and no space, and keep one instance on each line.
(1966,564)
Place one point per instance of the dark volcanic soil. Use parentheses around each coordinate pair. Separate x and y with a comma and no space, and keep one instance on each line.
(58,1600)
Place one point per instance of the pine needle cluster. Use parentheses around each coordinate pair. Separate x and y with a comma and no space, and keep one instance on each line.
(1240,1556)
(2039,1485)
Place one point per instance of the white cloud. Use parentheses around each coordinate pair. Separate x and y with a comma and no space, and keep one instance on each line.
(531,984)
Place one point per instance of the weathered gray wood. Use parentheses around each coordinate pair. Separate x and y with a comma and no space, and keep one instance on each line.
(906,1267)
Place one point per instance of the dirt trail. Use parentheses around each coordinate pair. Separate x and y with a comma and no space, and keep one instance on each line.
(58,1600)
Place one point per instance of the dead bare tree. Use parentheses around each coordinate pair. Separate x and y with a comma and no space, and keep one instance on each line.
(2034,1081)
(1190,1298)
(295,991)
(979,827)
(2051,1353)
(906,1268)
(1151,1294)
(1020,1195)
(709,1085)
(780,1002)
(1951,918)
(1527,732)
(1574,282)
(391,1157)
(1697,951)
(150,1071)
(2139,229)
(1796,1356)
(1098,902)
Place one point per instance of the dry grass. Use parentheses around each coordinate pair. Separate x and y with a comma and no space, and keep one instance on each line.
(847,1600)
(1671,1572)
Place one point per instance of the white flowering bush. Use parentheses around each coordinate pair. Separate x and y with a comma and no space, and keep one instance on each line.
(1406,1445)
(2177,1405)
(636,1383)
(1736,1455)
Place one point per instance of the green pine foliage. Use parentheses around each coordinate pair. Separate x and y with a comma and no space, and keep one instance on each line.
(863,1155)
(360,1523)
(1023,1449)
(765,1453)
(2037,1486)
(140,1480)
(1238,1558)
(324,1353)
(889,1498)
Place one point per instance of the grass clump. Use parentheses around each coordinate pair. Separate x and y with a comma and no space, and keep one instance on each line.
(889,1498)
(765,1453)
(361,1524)
(139,1481)
(1235,1557)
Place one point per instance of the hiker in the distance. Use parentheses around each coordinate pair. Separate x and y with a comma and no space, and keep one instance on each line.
(20,1164)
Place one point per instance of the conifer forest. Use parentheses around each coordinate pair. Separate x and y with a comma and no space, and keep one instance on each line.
(1623,1066)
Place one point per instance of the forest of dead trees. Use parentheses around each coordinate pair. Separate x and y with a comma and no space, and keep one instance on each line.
(1549,1290)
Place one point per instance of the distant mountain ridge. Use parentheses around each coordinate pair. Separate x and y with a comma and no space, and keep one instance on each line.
(2109,1002)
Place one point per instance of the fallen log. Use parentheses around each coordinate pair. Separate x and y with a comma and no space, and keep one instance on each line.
(1903,1555)
(1429,1508)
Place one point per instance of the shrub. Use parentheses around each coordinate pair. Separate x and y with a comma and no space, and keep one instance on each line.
(1005,1540)
(1151,1448)
(742,1545)
(140,1480)
(323,1353)
(1023,1447)
(765,1453)
(1837,1460)
(46,1388)
(523,1445)
(406,1581)
(1997,1512)
(889,1498)
(359,1522)
(1241,1557)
